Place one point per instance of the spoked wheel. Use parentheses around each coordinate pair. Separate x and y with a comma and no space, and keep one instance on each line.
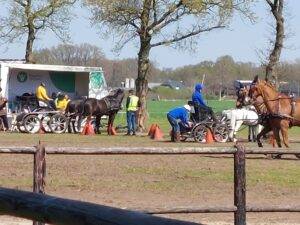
(20,122)
(221,133)
(46,123)
(199,133)
(58,123)
(32,124)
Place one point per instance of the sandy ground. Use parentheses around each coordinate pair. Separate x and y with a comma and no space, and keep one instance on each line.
(158,181)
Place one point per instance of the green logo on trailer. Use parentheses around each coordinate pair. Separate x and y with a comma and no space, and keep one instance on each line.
(22,77)
(96,80)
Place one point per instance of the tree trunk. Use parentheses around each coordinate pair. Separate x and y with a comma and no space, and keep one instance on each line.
(142,82)
(29,45)
(277,11)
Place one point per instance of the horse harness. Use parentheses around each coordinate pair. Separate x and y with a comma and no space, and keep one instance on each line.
(112,104)
(278,115)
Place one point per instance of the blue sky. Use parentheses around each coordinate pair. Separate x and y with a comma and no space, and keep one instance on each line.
(241,40)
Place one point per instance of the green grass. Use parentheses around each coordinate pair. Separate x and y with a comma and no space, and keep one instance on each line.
(169,93)
(157,110)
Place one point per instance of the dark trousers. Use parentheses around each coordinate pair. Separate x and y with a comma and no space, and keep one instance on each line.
(174,124)
(202,111)
(131,122)
(5,121)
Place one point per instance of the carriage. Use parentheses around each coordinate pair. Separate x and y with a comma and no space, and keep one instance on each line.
(204,123)
(48,121)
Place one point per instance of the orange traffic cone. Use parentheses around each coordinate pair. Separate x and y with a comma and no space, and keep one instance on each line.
(272,140)
(158,134)
(209,137)
(152,129)
(88,129)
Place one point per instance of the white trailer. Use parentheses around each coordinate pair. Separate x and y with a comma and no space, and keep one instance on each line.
(18,78)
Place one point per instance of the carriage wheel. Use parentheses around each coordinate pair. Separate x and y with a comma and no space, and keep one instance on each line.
(221,133)
(46,123)
(199,133)
(58,123)
(32,124)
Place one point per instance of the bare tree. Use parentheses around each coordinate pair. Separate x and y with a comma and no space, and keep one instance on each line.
(277,11)
(72,55)
(29,17)
(161,22)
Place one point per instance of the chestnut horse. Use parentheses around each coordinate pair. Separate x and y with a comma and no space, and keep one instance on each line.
(283,111)
(264,119)
(109,105)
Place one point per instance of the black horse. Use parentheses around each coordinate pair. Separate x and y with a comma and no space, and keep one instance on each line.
(109,106)
(74,111)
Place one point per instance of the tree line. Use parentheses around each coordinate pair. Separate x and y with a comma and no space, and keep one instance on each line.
(219,74)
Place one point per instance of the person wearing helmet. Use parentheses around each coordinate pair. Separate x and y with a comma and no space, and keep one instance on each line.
(176,115)
(41,95)
(199,103)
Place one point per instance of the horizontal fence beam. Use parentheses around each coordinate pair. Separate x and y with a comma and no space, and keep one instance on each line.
(145,150)
(17,150)
(52,210)
(217,209)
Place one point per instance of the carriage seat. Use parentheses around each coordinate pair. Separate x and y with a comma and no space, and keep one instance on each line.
(199,113)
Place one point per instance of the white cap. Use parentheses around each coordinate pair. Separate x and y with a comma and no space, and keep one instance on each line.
(187,107)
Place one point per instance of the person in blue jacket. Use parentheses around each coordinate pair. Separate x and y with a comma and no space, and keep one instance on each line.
(199,102)
(176,115)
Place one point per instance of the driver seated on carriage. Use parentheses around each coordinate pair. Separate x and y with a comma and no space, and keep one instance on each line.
(43,99)
(200,107)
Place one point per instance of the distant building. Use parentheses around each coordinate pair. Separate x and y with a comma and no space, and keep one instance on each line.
(128,84)
(173,84)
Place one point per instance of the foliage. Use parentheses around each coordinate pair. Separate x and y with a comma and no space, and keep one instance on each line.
(30,17)
(71,55)
(168,22)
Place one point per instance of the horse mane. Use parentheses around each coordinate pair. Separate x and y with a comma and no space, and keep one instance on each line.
(272,87)
(115,92)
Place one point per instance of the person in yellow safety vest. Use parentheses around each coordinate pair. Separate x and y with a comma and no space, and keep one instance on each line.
(62,102)
(132,105)
(41,95)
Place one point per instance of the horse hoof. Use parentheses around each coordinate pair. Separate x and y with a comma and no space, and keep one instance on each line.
(260,145)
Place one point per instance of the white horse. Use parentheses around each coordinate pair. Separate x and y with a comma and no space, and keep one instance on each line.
(239,117)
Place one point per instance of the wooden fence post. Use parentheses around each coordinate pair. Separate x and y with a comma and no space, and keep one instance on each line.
(39,172)
(240,185)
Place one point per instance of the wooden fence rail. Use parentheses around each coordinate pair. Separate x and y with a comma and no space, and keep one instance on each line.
(145,150)
(239,209)
(53,210)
